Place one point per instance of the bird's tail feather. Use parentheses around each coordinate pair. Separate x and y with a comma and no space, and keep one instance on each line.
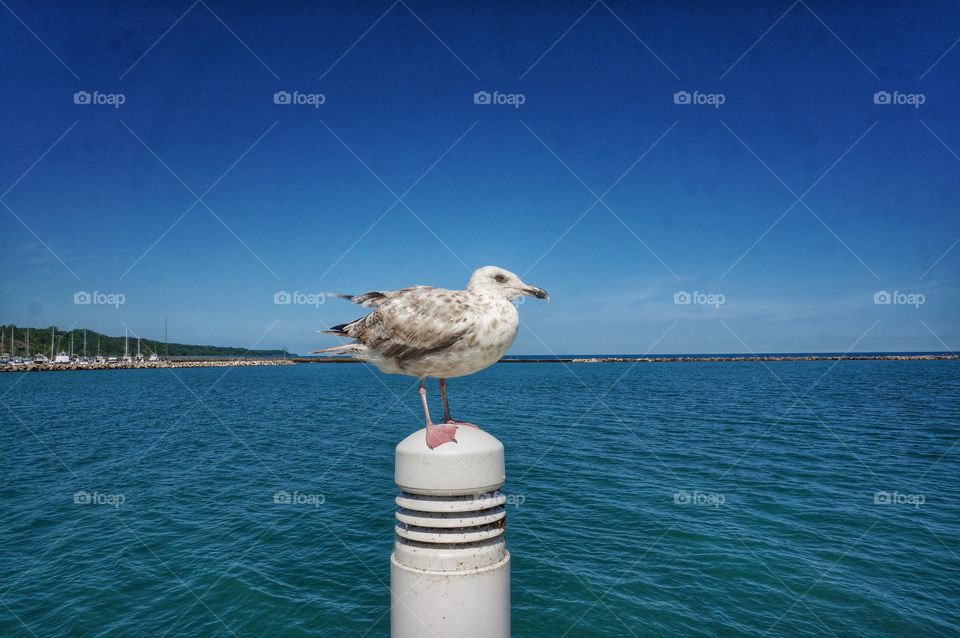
(367,299)
(348,348)
(339,330)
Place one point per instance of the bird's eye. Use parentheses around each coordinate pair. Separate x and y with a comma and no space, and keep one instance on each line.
(500,278)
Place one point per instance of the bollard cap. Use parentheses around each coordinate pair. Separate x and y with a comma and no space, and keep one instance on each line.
(472,465)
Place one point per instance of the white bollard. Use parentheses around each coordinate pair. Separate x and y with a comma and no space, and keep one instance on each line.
(450,568)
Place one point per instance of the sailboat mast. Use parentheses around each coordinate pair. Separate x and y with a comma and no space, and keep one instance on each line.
(126,343)
(53,337)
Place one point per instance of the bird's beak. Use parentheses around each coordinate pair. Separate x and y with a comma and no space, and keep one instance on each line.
(533,291)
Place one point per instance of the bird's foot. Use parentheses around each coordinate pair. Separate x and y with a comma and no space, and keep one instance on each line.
(455,422)
(437,435)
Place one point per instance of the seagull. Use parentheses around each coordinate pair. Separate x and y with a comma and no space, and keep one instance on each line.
(422,331)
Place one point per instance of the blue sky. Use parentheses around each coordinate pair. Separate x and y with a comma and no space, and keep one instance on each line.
(787,207)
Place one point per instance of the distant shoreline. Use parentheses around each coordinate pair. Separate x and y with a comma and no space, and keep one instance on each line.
(695,358)
(226,362)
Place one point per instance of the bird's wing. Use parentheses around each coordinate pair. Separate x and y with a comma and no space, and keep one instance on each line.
(413,323)
(377,298)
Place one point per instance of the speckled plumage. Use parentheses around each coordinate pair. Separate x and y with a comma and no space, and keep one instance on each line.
(423,331)
(433,332)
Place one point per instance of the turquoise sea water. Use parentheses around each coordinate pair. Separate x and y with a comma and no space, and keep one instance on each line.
(702,499)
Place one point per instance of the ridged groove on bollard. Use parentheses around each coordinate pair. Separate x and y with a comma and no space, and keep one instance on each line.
(450,533)
(458,521)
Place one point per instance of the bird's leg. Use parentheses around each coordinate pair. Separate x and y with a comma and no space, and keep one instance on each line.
(437,435)
(446,408)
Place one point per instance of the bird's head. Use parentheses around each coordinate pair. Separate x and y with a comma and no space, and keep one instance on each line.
(503,283)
